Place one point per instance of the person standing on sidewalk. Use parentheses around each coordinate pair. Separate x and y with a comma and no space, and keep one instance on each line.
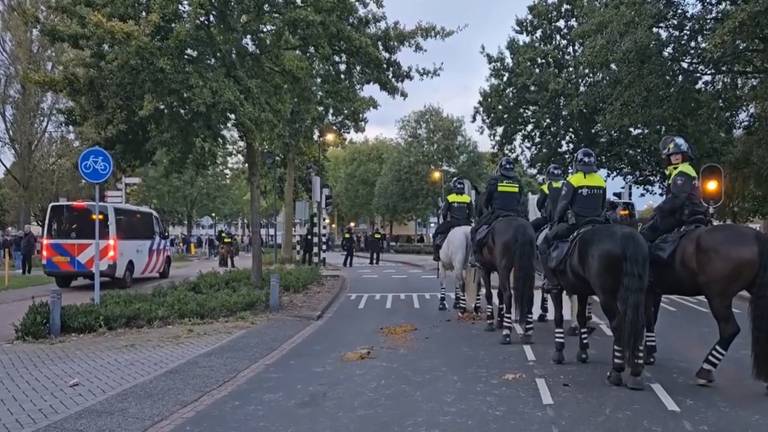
(28,243)
(375,244)
(348,246)
(17,251)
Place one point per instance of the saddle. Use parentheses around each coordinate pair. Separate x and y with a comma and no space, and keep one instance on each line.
(483,230)
(665,246)
(561,249)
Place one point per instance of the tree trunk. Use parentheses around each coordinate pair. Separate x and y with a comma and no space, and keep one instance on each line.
(190,222)
(289,206)
(252,159)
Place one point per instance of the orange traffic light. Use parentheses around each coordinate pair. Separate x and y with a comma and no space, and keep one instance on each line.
(712,185)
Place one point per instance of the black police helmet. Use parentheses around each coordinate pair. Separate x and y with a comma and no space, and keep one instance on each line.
(585,161)
(458,185)
(555,173)
(506,167)
(673,144)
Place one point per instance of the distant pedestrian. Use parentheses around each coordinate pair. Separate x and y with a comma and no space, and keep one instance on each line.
(199,245)
(375,244)
(348,246)
(7,245)
(211,247)
(420,240)
(28,244)
(17,251)
(306,249)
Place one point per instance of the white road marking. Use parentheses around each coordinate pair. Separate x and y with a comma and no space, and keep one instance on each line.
(363,271)
(370,276)
(352,296)
(416,301)
(429,277)
(529,353)
(377,297)
(399,276)
(518,329)
(546,398)
(414,271)
(389,301)
(668,307)
(603,326)
(388,271)
(687,303)
(362,302)
(664,396)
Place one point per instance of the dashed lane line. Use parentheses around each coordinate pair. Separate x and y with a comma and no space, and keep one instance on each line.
(429,277)
(546,397)
(370,276)
(414,271)
(399,276)
(529,353)
(687,303)
(665,398)
(388,271)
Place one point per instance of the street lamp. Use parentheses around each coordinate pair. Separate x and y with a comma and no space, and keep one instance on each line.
(213,215)
(437,175)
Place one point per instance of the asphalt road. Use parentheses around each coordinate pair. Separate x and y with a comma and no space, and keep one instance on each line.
(450,375)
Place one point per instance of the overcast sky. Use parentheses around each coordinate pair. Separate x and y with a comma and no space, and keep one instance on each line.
(487,22)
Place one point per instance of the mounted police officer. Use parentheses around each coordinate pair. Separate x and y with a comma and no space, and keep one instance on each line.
(504,196)
(457,211)
(682,205)
(549,195)
(348,246)
(582,201)
(376,243)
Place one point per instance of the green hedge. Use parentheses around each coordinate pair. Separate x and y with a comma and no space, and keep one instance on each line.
(417,249)
(209,296)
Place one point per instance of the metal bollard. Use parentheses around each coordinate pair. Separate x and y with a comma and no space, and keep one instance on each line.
(274,292)
(54,306)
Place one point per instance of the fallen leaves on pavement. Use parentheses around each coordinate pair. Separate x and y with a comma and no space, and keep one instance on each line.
(398,330)
(513,376)
(362,353)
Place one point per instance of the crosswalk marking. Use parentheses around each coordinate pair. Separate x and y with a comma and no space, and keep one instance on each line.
(389,301)
(429,277)
(687,303)
(388,271)
(399,276)
(416,301)
(362,302)
(414,271)
(607,330)
(370,276)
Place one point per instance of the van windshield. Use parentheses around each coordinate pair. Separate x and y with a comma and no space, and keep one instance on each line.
(76,222)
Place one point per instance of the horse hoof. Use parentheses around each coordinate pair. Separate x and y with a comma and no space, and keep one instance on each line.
(582,356)
(650,359)
(572,331)
(542,318)
(499,324)
(526,339)
(477,310)
(506,339)
(635,383)
(490,327)
(455,305)
(558,357)
(705,377)
(614,378)
(442,306)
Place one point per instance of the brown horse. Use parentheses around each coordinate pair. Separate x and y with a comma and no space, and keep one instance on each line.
(717,262)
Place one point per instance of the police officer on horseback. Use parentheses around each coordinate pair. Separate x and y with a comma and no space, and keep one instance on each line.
(504,196)
(549,195)
(457,211)
(582,201)
(682,205)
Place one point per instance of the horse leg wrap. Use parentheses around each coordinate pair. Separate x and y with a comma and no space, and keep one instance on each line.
(559,339)
(589,311)
(650,342)
(507,323)
(529,324)
(584,338)
(544,304)
(715,356)
(618,359)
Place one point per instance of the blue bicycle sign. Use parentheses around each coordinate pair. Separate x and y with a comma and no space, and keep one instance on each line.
(95,165)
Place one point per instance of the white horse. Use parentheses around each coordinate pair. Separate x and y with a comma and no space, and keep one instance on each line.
(454,257)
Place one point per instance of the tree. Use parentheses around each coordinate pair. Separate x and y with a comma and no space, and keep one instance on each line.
(181,76)
(28,112)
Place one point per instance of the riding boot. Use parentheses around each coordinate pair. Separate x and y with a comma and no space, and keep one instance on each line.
(435,253)
(473,257)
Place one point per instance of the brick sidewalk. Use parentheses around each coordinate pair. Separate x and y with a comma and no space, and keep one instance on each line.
(35,378)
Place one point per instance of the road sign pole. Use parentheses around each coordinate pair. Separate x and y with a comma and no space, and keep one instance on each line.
(96,256)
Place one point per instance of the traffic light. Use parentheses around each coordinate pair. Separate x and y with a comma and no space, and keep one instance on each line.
(328,202)
(712,185)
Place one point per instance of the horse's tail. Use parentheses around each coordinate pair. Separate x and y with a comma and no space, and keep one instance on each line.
(524,276)
(758,310)
(632,294)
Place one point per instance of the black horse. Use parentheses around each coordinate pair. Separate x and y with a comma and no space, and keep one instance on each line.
(510,245)
(717,262)
(610,261)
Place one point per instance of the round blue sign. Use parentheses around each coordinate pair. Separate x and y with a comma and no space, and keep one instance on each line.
(95,165)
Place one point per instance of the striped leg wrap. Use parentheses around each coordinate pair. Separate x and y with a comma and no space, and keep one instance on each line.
(507,322)
(442,294)
(650,339)
(715,356)
(529,324)
(589,310)
(618,355)
(477,300)
(462,300)
(584,336)
(559,338)
(544,304)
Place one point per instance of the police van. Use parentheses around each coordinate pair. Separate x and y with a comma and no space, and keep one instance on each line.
(132,243)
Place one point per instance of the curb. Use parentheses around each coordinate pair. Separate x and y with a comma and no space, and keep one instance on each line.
(343,285)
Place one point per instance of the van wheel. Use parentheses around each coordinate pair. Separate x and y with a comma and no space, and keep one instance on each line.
(64,281)
(166,269)
(127,279)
